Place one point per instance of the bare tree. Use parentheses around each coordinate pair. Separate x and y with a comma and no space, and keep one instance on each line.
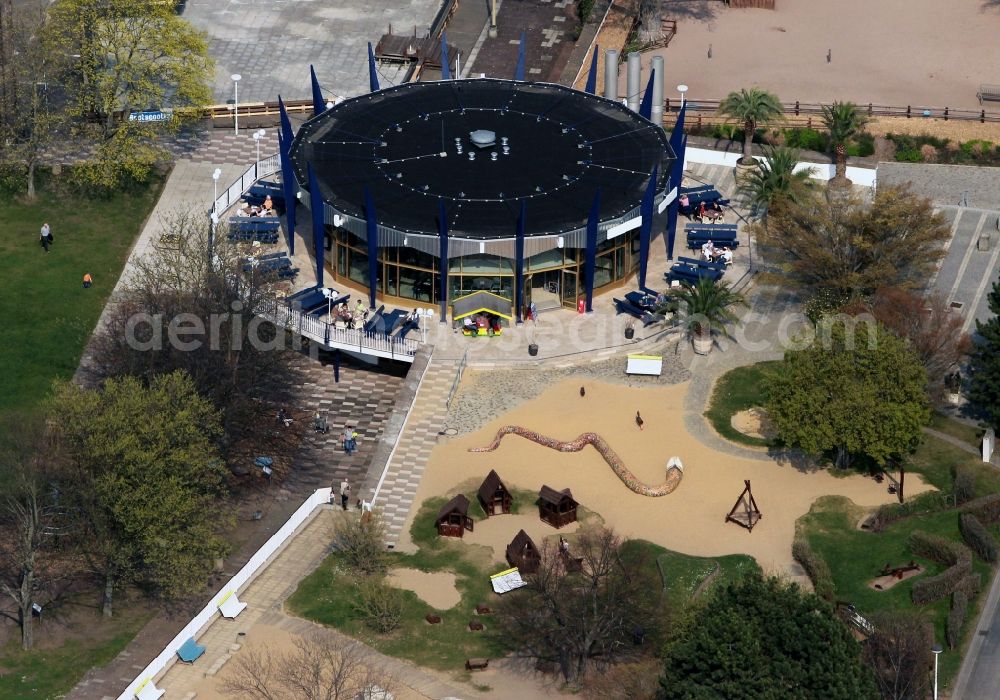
(899,654)
(184,307)
(30,518)
(595,602)
(323,666)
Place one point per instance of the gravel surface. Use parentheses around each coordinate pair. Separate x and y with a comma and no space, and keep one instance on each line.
(485,394)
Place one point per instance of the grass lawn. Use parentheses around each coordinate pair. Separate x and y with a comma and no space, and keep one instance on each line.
(963,431)
(48,315)
(735,391)
(855,557)
(49,673)
(330,594)
(937,461)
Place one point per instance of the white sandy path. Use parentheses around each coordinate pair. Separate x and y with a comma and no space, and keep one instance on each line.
(437,588)
(890,52)
(690,520)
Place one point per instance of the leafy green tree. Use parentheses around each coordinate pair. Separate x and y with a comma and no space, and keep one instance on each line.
(775,181)
(148,481)
(751,108)
(858,389)
(762,639)
(984,365)
(132,55)
(852,247)
(844,121)
(709,306)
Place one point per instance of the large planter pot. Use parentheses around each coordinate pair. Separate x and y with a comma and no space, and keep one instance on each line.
(630,332)
(533,349)
(744,171)
(702,343)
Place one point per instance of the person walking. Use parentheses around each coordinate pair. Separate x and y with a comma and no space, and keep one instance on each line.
(87,280)
(345,493)
(348,439)
(45,236)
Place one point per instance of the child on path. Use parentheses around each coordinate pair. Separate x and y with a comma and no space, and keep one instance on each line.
(345,493)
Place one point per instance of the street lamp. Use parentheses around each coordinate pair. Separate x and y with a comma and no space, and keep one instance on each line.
(236,101)
(215,179)
(937,652)
(682,89)
(257,136)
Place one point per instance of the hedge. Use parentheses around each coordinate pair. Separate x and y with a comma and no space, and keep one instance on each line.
(956,618)
(928,502)
(816,568)
(970,585)
(986,509)
(965,485)
(934,588)
(943,551)
(978,537)
(938,549)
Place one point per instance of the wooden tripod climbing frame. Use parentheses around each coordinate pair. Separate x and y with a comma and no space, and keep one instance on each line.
(749,514)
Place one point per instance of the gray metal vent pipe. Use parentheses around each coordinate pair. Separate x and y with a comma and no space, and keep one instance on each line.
(656,114)
(611,75)
(633,81)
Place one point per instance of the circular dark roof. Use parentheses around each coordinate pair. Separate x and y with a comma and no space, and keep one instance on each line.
(415,143)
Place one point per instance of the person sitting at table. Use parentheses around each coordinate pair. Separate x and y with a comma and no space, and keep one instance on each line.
(268,204)
(715,206)
(707,249)
(727,256)
(701,210)
(684,201)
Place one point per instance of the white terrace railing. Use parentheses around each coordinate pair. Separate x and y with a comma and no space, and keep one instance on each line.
(235,192)
(377,343)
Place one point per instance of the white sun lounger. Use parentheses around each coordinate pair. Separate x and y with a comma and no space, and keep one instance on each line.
(230,606)
(147,690)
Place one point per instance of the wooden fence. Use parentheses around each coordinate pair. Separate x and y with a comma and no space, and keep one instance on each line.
(810,113)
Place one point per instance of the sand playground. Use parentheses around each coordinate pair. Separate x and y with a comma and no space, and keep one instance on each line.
(890,52)
(691,520)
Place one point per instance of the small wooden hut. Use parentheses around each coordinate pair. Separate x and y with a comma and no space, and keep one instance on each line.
(557,508)
(522,553)
(494,496)
(453,518)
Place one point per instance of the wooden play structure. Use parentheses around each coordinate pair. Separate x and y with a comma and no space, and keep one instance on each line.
(522,553)
(557,508)
(453,518)
(745,512)
(494,496)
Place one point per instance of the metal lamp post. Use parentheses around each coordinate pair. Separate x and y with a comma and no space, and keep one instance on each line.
(236,102)
(682,89)
(937,652)
(257,136)
(215,179)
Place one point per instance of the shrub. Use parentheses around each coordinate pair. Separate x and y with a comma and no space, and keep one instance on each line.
(807,139)
(816,568)
(986,509)
(928,590)
(965,485)
(928,502)
(380,605)
(978,537)
(13,178)
(938,549)
(956,618)
(361,541)
(929,153)
(970,585)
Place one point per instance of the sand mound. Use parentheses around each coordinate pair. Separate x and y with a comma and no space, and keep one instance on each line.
(437,589)
(754,422)
(884,583)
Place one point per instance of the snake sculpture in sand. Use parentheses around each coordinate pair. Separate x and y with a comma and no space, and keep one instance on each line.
(675,470)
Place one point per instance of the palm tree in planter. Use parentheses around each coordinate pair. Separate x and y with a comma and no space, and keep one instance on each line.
(709,306)
(776,180)
(751,108)
(844,121)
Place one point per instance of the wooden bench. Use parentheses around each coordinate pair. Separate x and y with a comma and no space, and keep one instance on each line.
(476,664)
(988,93)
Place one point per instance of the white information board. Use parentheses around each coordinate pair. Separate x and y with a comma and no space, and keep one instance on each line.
(644,364)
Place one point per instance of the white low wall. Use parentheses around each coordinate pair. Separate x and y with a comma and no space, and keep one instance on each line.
(208,613)
(821,171)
